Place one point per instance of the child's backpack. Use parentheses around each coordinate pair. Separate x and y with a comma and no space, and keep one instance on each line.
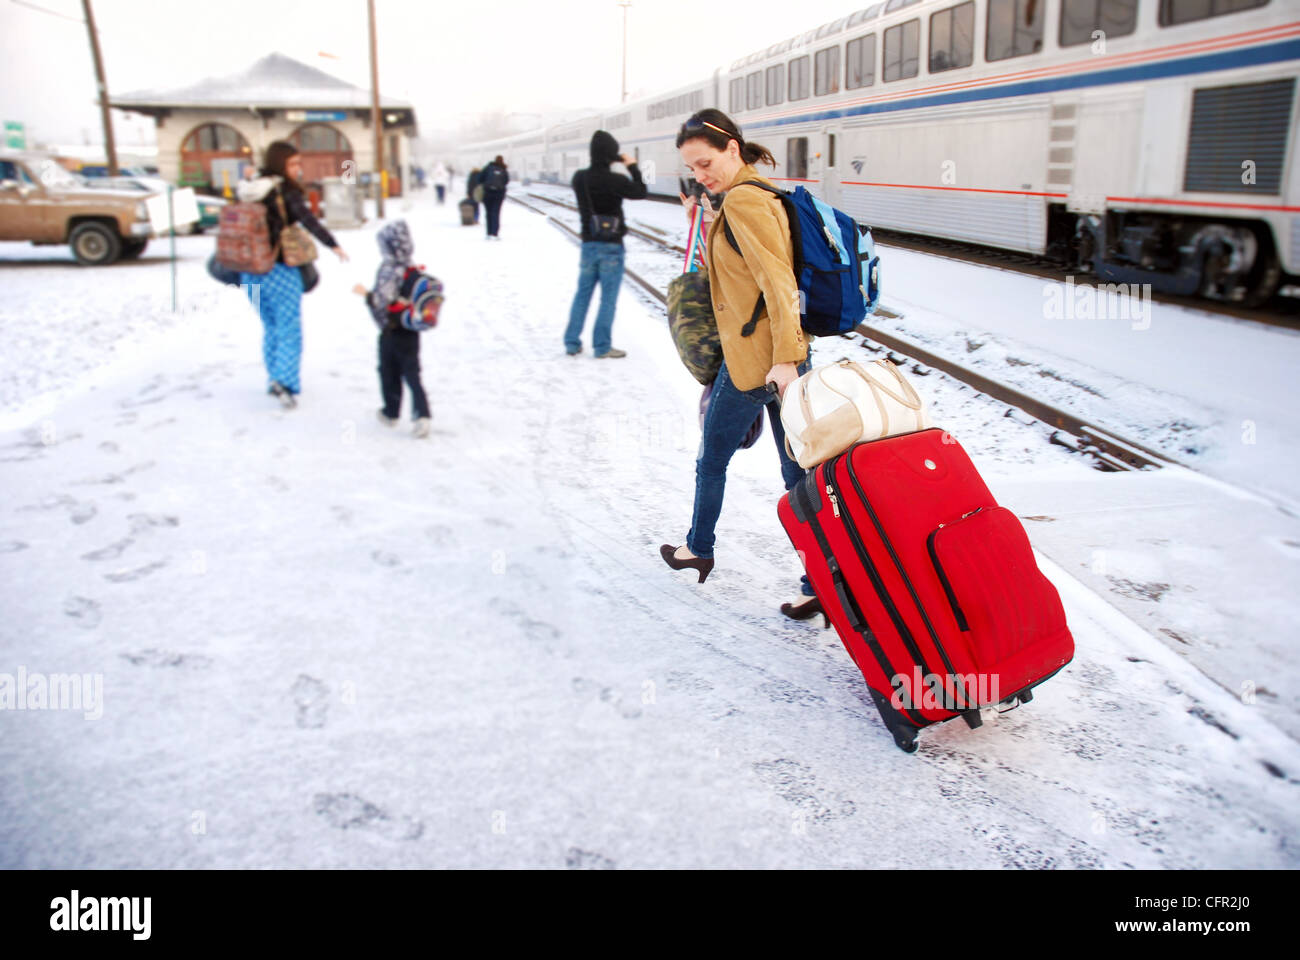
(243,238)
(835,264)
(419,298)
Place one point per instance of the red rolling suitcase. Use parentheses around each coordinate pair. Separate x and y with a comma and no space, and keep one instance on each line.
(931,585)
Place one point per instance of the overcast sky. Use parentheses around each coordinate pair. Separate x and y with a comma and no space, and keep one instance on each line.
(449,59)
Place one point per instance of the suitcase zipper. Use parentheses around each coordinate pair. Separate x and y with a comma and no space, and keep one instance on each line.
(848,602)
(905,634)
(898,564)
(962,624)
(835,502)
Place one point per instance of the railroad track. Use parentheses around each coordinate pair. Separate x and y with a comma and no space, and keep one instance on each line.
(1109,451)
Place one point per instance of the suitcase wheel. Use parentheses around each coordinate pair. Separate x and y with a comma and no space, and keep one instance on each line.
(905,740)
(1027,696)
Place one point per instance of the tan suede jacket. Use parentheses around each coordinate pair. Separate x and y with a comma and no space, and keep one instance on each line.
(765,264)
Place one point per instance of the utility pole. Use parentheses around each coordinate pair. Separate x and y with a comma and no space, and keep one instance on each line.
(109,145)
(376,117)
(624,4)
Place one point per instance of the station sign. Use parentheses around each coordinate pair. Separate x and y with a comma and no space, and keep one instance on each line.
(15,135)
(315,116)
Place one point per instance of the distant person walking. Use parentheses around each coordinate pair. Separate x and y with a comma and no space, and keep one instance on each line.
(278,294)
(601,192)
(441,180)
(493,179)
(474,190)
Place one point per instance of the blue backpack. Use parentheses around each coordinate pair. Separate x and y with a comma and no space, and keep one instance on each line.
(835,264)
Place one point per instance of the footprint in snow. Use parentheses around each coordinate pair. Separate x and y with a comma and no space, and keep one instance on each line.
(796,784)
(347,811)
(110,552)
(84,611)
(82,512)
(577,859)
(386,559)
(153,657)
(12,546)
(140,522)
(312,700)
(128,576)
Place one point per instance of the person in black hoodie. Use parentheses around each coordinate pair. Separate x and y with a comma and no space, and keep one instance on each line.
(601,192)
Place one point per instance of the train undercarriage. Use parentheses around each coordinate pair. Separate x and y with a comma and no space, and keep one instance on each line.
(1233,261)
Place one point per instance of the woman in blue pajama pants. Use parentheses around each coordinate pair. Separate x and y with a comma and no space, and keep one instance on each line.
(278,298)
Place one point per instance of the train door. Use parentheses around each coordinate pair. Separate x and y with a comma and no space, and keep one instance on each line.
(830,171)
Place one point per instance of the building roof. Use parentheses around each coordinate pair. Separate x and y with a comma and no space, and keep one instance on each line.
(275,81)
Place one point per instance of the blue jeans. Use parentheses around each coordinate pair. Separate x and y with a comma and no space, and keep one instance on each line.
(731,412)
(603,262)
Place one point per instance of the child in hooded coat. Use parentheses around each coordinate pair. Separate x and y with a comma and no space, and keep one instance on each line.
(399,348)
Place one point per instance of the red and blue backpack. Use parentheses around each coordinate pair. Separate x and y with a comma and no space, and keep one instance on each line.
(419,298)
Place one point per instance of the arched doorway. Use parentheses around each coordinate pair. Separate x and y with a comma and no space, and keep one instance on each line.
(211,141)
(323,150)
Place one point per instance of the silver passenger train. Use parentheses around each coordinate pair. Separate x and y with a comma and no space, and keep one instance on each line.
(1147,141)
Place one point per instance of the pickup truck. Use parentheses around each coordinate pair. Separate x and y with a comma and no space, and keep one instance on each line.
(42,202)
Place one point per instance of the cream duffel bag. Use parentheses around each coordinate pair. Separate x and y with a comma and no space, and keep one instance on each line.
(830,408)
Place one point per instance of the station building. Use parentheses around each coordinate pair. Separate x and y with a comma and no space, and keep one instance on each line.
(208,131)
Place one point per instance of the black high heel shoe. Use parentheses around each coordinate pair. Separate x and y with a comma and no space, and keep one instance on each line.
(702,564)
(805,609)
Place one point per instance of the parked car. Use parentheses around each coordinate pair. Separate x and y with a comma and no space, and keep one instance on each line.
(42,202)
(209,207)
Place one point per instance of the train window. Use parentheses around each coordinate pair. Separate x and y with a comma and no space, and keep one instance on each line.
(1015,29)
(952,37)
(830,150)
(1081,18)
(737,102)
(776,84)
(1174,12)
(796,158)
(798,87)
(754,84)
(902,46)
(826,71)
(893,5)
(860,62)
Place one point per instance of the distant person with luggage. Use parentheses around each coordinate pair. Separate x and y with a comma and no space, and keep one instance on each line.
(600,193)
(441,180)
(771,351)
(493,180)
(399,330)
(473,190)
(278,294)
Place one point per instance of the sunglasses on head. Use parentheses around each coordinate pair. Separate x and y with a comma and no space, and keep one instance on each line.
(694,123)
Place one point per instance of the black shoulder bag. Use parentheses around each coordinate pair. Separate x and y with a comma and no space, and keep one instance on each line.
(604,228)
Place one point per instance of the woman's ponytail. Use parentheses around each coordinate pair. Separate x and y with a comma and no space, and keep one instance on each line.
(756,153)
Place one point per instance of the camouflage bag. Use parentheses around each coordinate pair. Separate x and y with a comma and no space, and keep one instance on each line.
(690,316)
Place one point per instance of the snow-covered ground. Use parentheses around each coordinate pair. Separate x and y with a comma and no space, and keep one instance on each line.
(326,643)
